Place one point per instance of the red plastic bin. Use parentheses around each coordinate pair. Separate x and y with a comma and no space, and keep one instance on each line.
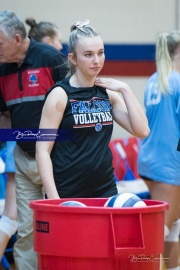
(98,237)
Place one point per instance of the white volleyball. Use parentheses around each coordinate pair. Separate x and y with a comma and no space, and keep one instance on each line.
(125,200)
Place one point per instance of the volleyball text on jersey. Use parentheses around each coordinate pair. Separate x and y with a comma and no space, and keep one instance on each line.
(95,112)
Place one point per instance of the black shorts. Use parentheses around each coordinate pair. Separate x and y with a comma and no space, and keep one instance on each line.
(146,178)
(178,147)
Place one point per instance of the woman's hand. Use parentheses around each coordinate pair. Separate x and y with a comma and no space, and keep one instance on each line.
(112,84)
(126,109)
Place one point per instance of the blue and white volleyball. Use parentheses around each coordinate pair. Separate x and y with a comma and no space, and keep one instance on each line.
(72,203)
(125,200)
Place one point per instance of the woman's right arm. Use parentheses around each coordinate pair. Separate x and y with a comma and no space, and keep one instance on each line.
(51,117)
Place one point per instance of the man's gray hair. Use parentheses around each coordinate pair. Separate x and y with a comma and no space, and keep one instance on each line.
(11,24)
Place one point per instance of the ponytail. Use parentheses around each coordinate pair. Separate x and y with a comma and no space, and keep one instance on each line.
(163,63)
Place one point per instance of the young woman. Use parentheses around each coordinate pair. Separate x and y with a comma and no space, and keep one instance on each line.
(45,32)
(85,106)
(158,160)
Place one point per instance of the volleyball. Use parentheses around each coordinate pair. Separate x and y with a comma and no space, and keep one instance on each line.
(72,203)
(125,200)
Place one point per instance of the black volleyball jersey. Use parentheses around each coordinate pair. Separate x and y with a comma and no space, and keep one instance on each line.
(82,164)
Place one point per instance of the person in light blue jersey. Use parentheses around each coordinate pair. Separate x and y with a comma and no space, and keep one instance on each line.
(158,159)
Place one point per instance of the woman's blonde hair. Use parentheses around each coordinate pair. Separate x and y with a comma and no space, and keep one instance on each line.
(166,46)
(78,30)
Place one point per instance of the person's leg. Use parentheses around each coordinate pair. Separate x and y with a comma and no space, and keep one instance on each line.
(170,194)
(4,239)
(171,250)
(28,188)
(8,221)
(172,245)
(10,208)
(149,184)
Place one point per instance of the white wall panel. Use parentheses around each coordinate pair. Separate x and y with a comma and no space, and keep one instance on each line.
(133,21)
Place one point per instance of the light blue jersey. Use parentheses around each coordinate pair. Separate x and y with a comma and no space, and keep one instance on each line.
(158,157)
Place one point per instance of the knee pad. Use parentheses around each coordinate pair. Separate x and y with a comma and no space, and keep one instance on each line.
(174,232)
(8,225)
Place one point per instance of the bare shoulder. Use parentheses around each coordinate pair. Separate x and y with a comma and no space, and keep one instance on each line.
(57,95)
(57,92)
(56,100)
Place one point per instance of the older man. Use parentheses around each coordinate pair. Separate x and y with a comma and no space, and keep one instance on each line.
(27,71)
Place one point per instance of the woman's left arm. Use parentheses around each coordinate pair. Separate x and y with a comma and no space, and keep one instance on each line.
(126,109)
